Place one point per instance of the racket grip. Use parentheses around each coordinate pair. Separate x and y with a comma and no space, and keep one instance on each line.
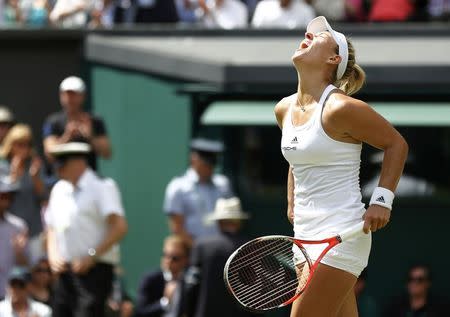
(352,231)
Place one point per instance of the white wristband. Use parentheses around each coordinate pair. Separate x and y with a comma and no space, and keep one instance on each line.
(382,197)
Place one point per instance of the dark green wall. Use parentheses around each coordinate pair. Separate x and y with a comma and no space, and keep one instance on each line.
(149,126)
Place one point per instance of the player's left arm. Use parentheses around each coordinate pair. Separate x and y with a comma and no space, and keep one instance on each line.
(358,121)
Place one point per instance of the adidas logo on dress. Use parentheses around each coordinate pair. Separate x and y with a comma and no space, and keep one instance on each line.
(294,140)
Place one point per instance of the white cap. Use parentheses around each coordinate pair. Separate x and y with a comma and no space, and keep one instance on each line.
(228,209)
(320,24)
(6,115)
(70,148)
(72,83)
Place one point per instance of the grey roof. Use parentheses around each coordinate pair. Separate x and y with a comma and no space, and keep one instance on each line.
(241,59)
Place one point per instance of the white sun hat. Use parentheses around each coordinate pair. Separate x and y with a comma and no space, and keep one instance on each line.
(228,209)
(320,24)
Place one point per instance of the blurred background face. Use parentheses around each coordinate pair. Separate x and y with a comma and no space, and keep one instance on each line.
(418,282)
(204,169)
(174,258)
(21,148)
(17,291)
(71,101)
(41,273)
(5,201)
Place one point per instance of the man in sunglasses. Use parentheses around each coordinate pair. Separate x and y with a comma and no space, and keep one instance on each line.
(419,301)
(13,235)
(160,291)
(18,301)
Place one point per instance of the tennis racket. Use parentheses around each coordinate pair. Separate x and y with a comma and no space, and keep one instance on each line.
(266,273)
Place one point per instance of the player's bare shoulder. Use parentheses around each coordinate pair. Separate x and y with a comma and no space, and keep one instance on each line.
(340,107)
(282,107)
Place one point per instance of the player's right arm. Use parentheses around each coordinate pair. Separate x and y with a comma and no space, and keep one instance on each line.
(280,112)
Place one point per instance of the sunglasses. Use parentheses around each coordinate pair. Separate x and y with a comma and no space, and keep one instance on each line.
(172,257)
(417,279)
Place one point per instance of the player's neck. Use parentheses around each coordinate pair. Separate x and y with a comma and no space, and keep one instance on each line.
(311,88)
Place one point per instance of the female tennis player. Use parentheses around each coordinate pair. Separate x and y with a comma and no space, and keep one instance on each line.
(323,129)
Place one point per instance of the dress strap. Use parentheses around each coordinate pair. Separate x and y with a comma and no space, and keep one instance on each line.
(325,94)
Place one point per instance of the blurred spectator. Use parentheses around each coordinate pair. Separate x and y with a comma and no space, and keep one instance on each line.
(70,13)
(40,286)
(119,304)
(73,124)
(340,10)
(12,13)
(102,15)
(289,14)
(251,6)
(23,166)
(18,303)
(439,9)
(206,294)
(160,292)
(225,14)
(391,10)
(156,11)
(186,10)
(13,236)
(418,301)
(191,197)
(36,12)
(85,221)
(6,122)
(332,9)
(367,306)
(125,11)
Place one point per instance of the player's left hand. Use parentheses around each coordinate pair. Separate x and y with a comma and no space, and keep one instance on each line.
(82,265)
(375,218)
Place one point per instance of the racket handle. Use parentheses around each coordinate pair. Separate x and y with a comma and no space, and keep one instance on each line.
(352,231)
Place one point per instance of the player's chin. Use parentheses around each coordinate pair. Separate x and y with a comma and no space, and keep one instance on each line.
(297,56)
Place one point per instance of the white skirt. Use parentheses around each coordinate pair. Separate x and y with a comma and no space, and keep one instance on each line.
(351,256)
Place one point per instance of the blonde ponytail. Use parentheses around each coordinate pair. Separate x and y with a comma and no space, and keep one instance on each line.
(354,76)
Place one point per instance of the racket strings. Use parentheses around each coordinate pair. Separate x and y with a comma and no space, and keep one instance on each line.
(263,274)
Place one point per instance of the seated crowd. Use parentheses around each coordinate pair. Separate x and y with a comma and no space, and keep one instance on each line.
(224,14)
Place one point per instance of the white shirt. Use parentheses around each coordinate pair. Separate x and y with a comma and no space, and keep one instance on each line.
(269,14)
(231,14)
(78,215)
(78,19)
(35,309)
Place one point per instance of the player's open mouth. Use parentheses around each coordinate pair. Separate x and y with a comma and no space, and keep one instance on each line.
(304,45)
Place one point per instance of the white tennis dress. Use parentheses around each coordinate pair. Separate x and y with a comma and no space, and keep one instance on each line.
(327,195)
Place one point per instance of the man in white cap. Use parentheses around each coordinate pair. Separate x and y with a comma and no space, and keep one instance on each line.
(192,196)
(206,294)
(85,222)
(73,124)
